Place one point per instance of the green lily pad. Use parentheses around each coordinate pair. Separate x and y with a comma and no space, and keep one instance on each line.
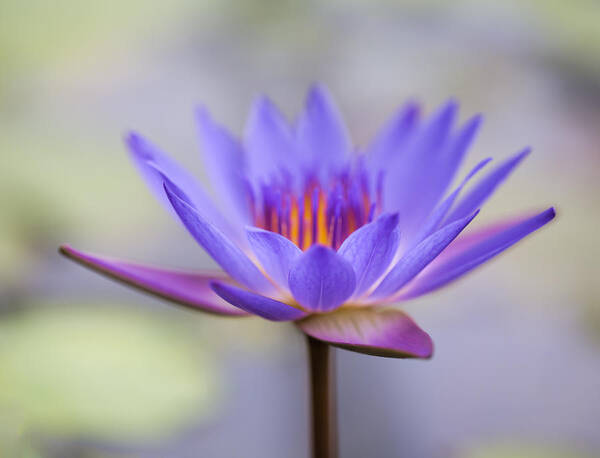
(103,372)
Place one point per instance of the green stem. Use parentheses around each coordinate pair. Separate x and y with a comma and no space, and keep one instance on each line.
(323,406)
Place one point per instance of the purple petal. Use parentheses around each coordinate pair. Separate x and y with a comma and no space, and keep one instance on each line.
(322,135)
(269,140)
(184,288)
(217,245)
(472,238)
(486,186)
(379,332)
(275,253)
(225,163)
(449,161)
(419,257)
(154,166)
(436,132)
(370,250)
(477,249)
(256,304)
(394,135)
(321,280)
(435,218)
(409,180)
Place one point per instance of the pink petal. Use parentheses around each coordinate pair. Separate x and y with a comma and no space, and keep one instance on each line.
(373,331)
(184,288)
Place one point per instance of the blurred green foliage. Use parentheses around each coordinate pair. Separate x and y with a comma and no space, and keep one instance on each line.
(48,197)
(575,33)
(38,32)
(103,372)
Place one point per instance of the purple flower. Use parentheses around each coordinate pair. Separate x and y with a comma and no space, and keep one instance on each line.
(310,229)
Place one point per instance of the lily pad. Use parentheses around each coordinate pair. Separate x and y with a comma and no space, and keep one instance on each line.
(103,372)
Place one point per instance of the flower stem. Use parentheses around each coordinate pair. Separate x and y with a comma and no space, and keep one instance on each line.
(323,406)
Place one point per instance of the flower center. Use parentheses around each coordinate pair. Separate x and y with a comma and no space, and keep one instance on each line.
(316,213)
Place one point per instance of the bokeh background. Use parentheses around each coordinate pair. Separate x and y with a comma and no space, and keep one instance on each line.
(91,369)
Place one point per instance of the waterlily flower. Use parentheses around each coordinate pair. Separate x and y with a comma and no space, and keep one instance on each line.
(311,229)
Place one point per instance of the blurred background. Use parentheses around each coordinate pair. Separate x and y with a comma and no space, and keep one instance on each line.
(91,369)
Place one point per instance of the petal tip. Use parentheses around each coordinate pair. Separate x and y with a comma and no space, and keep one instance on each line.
(65,250)
(451,104)
(138,146)
(428,348)
(262,103)
(320,250)
(476,121)
(449,108)
(413,107)
(407,115)
(391,219)
(316,87)
(549,214)
(523,153)
(318,95)
(202,114)
(216,286)
(132,139)
(129,136)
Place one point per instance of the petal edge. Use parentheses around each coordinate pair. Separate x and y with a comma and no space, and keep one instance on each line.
(256,304)
(189,289)
(228,255)
(468,255)
(321,280)
(379,332)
